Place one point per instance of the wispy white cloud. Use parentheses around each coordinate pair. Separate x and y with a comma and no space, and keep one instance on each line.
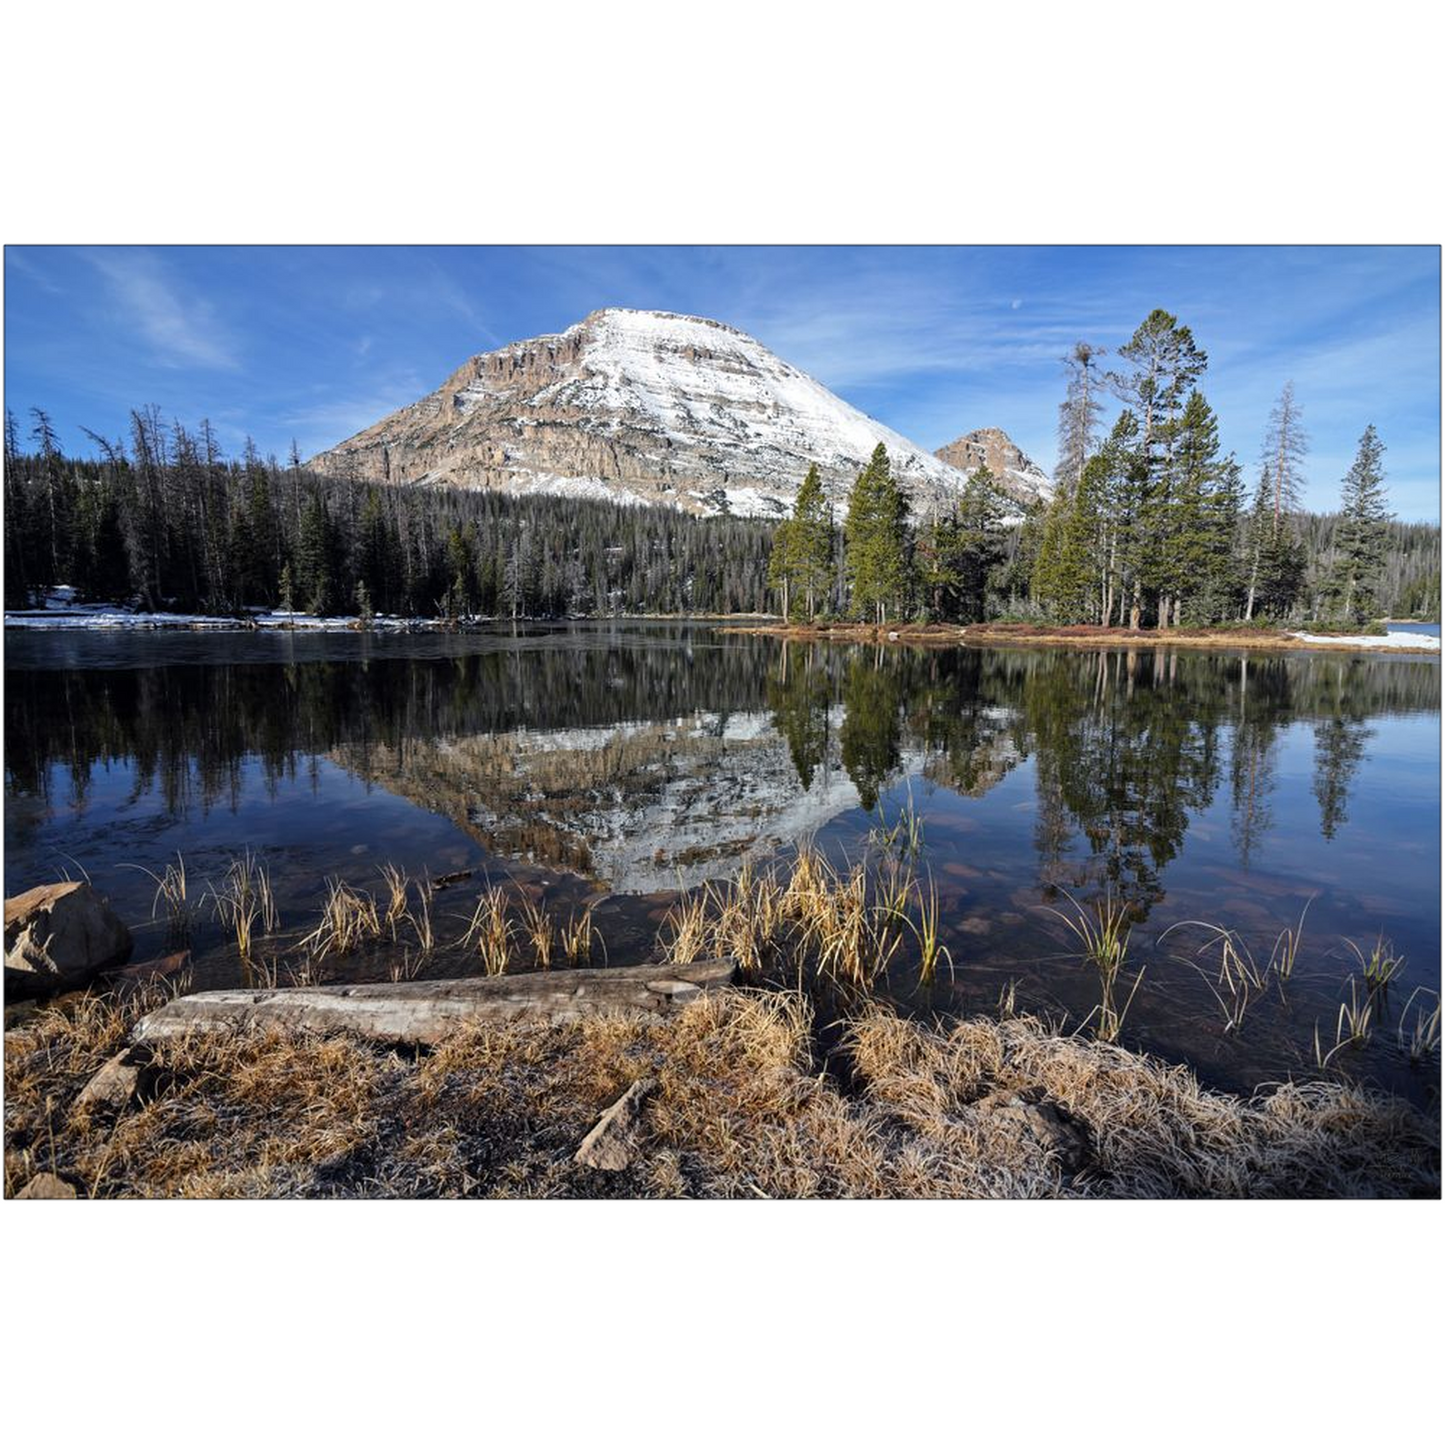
(16,257)
(442,288)
(182,328)
(329,418)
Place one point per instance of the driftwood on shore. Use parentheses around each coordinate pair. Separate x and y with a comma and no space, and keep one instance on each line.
(422,1012)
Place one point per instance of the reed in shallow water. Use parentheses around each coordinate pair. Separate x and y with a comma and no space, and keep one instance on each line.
(349,918)
(245,902)
(578,935)
(540,931)
(1103,933)
(172,891)
(1382,967)
(491,931)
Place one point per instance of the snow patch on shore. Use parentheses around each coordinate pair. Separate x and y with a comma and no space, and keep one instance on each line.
(60,612)
(1416,641)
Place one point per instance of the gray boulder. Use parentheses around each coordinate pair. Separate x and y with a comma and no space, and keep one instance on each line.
(59,935)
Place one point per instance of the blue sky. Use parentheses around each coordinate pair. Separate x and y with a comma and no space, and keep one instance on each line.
(316,342)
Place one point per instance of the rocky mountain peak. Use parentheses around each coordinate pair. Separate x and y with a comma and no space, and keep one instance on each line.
(1018,474)
(636,407)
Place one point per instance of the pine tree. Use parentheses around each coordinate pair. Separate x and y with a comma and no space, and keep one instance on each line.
(876,538)
(1274,558)
(811,557)
(262,544)
(1197,562)
(978,546)
(935,557)
(315,570)
(1165,363)
(780,564)
(1061,583)
(1361,538)
(1217,588)
(1125,495)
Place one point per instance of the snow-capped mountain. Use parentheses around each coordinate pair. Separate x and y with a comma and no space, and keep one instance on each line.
(989,447)
(642,406)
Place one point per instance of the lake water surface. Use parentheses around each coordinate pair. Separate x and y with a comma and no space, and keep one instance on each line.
(615,764)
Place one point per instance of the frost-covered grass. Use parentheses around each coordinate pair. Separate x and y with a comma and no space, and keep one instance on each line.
(742,1107)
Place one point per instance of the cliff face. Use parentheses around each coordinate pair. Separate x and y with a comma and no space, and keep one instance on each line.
(642,406)
(1018,476)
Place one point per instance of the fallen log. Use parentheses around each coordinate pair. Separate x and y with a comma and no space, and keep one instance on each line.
(422,1012)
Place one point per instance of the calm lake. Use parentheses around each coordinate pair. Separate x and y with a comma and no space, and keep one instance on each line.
(618,763)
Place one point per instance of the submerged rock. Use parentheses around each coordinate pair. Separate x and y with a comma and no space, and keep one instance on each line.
(60,934)
(135,976)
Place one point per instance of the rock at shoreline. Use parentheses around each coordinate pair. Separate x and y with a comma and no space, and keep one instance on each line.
(612,1142)
(60,934)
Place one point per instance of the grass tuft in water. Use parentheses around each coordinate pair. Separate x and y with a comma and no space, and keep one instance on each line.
(245,903)
(1103,932)
(685,933)
(172,891)
(349,918)
(578,936)
(491,931)
(1421,1040)
(1382,967)
(1287,946)
(540,931)
(926,931)
(1240,979)
(1353,1025)
(398,887)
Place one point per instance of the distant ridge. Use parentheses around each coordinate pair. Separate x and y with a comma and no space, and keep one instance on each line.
(989,447)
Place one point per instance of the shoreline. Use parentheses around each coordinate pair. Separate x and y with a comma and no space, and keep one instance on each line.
(117,619)
(65,615)
(988,634)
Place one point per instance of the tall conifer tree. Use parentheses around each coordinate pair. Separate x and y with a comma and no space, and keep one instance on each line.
(1361,538)
(876,537)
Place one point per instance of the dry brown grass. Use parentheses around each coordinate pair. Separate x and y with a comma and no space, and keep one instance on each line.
(741,1109)
(686,932)
(540,932)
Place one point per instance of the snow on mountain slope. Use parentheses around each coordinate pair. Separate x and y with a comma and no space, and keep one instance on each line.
(643,406)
